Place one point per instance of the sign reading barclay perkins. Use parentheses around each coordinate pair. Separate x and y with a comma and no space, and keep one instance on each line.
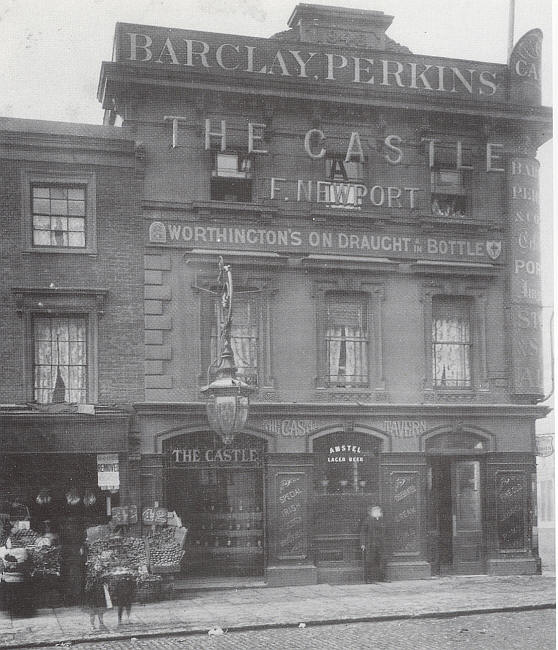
(241,56)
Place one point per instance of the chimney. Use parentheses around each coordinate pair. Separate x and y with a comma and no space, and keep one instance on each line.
(340,26)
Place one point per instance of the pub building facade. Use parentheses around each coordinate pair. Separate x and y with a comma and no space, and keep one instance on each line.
(380,212)
(71,348)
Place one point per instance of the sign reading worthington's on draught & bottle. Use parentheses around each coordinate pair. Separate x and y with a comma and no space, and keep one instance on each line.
(313,240)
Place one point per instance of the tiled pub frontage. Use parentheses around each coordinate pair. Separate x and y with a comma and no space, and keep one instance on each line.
(286,499)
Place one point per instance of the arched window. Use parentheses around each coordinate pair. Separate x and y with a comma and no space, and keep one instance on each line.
(455,443)
(346,463)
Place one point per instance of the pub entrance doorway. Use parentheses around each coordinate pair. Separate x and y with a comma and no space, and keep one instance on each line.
(456,536)
(217,490)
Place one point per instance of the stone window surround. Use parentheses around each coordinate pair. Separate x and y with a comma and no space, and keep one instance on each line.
(59,176)
(88,303)
(479,370)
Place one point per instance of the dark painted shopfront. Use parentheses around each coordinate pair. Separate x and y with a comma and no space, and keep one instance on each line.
(380,211)
(286,500)
(49,478)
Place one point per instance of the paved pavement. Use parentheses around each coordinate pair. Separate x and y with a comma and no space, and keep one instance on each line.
(498,631)
(261,608)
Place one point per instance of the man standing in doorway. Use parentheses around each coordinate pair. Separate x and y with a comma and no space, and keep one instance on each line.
(371,544)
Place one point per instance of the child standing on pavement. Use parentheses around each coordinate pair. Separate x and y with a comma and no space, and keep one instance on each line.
(95,600)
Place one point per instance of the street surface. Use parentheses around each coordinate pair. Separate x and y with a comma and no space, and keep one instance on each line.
(498,631)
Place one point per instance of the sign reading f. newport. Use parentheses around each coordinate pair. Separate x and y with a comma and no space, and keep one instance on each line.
(240,56)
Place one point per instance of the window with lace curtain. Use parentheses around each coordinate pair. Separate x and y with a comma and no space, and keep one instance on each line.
(451,342)
(59,359)
(246,336)
(346,341)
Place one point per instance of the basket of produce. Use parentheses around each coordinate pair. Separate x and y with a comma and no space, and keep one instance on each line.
(22,538)
(45,561)
(165,553)
(115,551)
(149,588)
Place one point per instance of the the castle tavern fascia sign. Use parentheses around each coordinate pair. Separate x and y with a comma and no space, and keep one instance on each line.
(229,56)
(313,240)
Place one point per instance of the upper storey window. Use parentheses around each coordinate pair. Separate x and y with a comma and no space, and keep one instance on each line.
(343,178)
(451,342)
(346,341)
(231,179)
(59,211)
(60,358)
(58,215)
(450,183)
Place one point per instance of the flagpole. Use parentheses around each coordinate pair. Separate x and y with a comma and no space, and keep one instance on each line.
(511,26)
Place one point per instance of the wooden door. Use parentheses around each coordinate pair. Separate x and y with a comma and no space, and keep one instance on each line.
(468,539)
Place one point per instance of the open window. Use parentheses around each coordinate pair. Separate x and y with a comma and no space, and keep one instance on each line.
(450,187)
(231,177)
(342,178)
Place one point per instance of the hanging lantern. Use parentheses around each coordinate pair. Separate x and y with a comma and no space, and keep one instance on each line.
(227,405)
(43,498)
(89,498)
(227,396)
(72,497)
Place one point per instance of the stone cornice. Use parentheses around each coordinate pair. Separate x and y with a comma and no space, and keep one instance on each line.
(316,409)
(119,74)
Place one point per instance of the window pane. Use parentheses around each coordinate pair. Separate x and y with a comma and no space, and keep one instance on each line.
(76,193)
(57,192)
(41,206)
(76,239)
(76,224)
(76,208)
(59,207)
(41,223)
(60,358)
(41,238)
(227,162)
(41,192)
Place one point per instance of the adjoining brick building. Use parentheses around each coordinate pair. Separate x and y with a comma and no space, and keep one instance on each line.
(71,349)
(380,212)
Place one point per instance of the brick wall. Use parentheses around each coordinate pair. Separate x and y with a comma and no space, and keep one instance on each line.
(117,266)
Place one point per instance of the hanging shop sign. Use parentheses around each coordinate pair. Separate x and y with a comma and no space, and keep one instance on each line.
(125,515)
(217,55)
(313,240)
(224,455)
(108,475)
(148,516)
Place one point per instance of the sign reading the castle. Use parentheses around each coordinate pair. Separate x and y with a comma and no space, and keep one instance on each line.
(223,55)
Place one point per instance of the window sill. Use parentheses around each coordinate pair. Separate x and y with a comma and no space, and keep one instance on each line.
(227,206)
(91,250)
(428,221)
(450,394)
